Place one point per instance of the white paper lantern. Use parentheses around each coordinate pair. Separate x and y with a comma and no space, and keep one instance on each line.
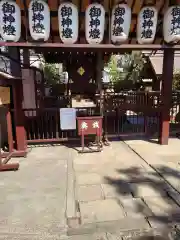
(147,24)
(68,22)
(39,20)
(171,24)
(120,23)
(95,22)
(10,21)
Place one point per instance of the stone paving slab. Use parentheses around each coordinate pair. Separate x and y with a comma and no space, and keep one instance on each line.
(148,189)
(160,222)
(135,207)
(173,180)
(118,190)
(163,207)
(171,158)
(88,178)
(112,236)
(167,168)
(175,196)
(124,225)
(114,174)
(89,193)
(95,236)
(120,227)
(100,211)
(29,237)
(133,174)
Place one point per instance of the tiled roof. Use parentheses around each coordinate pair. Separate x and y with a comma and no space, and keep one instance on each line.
(7,76)
(157,61)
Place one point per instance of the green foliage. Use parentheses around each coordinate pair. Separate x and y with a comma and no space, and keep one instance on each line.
(138,63)
(115,73)
(51,73)
(129,67)
(176,80)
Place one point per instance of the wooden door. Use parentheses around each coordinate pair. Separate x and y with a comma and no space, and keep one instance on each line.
(81,71)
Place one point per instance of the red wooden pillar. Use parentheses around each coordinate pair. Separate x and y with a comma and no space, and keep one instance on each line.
(21,142)
(166,95)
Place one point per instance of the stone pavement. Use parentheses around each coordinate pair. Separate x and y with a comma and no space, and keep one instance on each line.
(116,191)
(33,199)
(165,160)
(114,195)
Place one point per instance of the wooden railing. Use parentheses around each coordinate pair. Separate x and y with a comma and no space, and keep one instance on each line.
(128,100)
(43,125)
(124,113)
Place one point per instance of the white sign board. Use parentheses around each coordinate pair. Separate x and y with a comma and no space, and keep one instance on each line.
(67,118)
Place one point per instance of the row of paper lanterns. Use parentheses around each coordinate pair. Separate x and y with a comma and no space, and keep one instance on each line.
(146,31)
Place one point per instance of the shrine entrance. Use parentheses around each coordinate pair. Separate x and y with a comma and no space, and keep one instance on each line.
(119,28)
(125,112)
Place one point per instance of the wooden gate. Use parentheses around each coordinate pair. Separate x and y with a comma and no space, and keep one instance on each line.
(128,113)
(82,78)
(124,113)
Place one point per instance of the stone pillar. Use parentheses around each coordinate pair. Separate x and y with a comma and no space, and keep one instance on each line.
(166,94)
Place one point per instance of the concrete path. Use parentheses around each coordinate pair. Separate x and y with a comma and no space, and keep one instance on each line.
(165,160)
(118,192)
(115,195)
(33,199)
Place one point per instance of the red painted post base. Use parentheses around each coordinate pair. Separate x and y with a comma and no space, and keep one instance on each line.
(164,129)
(9,167)
(5,166)
(163,141)
(5,158)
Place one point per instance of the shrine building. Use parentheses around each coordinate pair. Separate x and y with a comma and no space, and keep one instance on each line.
(82,35)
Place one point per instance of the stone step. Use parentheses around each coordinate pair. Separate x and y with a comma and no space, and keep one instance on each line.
(124,225)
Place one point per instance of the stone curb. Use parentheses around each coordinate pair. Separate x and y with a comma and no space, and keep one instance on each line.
(72,216)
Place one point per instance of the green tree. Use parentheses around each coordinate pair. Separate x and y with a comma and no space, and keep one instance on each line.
(115,74)
(176,87)
(127,67)
(176,80)
(51,73)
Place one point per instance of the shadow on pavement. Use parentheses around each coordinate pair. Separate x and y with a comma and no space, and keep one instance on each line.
(162,203)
